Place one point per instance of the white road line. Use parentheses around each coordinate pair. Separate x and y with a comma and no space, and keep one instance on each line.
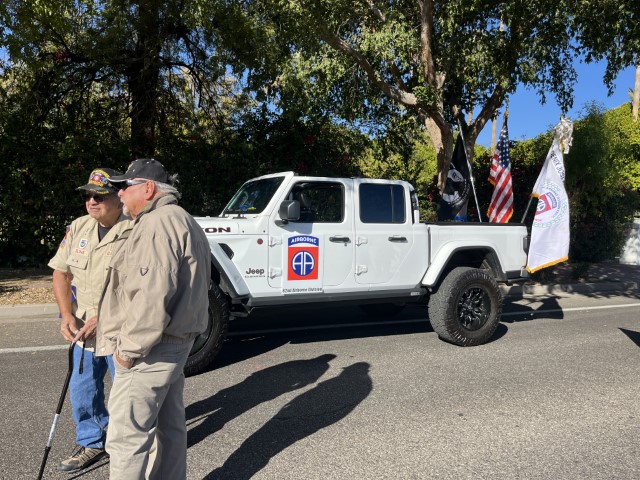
(33,349)
(344,325)
(574,309)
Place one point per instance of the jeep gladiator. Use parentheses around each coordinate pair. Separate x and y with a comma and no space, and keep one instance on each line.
(286,239)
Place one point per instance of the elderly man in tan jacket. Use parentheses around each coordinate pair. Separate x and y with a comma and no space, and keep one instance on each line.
(153,306)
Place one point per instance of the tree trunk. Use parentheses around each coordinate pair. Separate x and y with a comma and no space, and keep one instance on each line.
(442,138)
(142,78)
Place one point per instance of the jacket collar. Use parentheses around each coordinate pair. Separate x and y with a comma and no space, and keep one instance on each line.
(160,201)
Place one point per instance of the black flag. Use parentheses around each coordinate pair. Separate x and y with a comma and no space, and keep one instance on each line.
(453,204)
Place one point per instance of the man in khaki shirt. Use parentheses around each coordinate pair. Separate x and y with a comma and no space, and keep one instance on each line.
(155,303)
(81,263)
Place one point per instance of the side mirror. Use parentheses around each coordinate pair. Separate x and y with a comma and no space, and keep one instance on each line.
(289,210)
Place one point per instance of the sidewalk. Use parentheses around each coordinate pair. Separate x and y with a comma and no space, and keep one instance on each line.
(601,278)
(29,310)
(597,278)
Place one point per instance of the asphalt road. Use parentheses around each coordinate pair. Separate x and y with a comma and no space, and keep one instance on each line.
(333,394)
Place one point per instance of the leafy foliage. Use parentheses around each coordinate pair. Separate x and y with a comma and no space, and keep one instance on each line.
(152,54)
(601,182)
(405,153)
(223,90)
(47,156)
(433,60)
(608,30)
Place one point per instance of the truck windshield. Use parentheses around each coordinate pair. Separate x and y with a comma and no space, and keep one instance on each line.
(254,196)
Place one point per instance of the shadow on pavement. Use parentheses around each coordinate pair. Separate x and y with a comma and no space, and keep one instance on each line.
(549,307)
(244,343)
(261,386)
(325,404)
(634,336)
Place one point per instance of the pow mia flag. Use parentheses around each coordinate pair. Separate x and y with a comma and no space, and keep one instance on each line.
(453,204)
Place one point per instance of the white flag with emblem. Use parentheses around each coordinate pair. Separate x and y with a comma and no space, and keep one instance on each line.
(550,229)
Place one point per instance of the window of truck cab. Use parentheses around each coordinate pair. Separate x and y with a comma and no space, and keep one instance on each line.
(253,196)
(381,203)
(320,202)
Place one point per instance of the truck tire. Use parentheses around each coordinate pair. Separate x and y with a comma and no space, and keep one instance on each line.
(208,344)
(466,307)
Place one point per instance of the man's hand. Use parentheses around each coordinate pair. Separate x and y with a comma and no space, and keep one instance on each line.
(69,327)
(88,331)
(125,363)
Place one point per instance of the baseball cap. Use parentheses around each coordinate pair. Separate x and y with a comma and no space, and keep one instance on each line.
(147,168)
(100,181)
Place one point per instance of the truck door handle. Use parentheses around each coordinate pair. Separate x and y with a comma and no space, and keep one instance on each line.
(398,239)
(339,239)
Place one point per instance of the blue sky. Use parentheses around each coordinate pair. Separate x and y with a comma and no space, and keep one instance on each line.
(528,118)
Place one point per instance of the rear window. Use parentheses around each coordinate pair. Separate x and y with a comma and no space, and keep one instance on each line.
(381,203)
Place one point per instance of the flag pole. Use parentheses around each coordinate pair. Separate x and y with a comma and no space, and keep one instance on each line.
(473,186)
(526,210)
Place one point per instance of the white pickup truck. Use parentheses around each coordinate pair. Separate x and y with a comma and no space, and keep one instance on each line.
(286,239)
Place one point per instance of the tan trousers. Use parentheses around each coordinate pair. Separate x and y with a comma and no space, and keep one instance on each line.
(146,407)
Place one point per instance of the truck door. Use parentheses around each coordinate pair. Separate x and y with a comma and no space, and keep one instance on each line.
(314,253)
(384,232)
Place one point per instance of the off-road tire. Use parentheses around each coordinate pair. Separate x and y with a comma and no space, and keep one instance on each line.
(209,343)
(466,307)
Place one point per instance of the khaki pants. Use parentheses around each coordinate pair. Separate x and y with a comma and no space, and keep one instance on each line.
(146,407)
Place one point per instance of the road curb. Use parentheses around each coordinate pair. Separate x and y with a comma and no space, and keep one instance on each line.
(29,310)
(564,288)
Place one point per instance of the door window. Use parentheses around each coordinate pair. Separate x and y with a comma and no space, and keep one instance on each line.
(320,202)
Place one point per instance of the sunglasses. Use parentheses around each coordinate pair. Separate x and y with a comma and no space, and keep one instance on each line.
(97,197)
(129,183)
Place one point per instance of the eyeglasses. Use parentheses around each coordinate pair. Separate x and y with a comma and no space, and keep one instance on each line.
(97,197)
(129,183)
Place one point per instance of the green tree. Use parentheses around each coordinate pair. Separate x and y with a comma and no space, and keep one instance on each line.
(87,83)
(145,52)
(45,160)
(602,179)
(433,60)
(608,30)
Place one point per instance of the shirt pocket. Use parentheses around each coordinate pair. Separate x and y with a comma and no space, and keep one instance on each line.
(78,261)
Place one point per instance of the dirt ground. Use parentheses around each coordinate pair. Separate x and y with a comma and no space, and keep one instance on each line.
(25,286)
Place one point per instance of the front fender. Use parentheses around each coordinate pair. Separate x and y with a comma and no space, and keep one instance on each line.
(231,282)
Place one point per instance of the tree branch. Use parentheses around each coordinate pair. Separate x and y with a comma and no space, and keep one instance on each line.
(376,11)
(397,74)
(391,91)
(488,111)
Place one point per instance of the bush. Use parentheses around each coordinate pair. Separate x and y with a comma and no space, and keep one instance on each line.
(602,182)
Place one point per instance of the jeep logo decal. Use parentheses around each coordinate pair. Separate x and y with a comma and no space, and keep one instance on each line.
(255,272)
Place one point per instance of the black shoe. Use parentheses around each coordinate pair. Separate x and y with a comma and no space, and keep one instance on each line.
(82,459)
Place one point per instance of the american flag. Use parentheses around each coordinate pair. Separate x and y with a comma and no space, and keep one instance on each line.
(501,207)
